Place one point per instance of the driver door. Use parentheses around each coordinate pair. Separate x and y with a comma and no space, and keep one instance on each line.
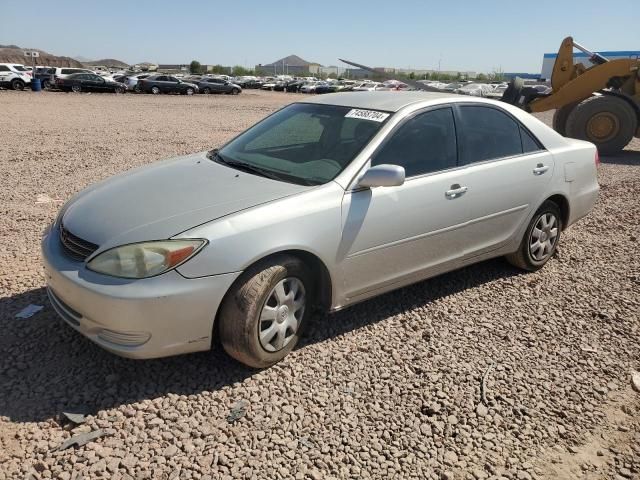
(397,235)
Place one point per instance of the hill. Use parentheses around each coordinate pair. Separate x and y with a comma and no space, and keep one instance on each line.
(107,62)
(15,54)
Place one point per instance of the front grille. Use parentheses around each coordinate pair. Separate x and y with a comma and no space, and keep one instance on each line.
(75,247)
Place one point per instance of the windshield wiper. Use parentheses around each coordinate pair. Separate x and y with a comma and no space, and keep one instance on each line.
(244,166)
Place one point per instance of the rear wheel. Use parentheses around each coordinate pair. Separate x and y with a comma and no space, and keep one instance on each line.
(190,91)
(540,240)
(608,121)
(560,118)
(120,89)
(46,84)
(155,90)
(17,84)
(262,314)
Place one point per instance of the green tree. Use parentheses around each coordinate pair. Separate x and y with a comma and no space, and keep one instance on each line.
(412,76)
(195,67)
(481,77)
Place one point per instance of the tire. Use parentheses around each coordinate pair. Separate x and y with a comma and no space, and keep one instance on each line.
(137,88)
(120,90)
(528,256)
(17,84)
(560,118)
(206,91)
(46,84)
(608,121)
(240,323)
(76,88)
(235,91)
(155,90)
(189,91)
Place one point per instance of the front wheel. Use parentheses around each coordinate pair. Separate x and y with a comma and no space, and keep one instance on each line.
(17,84)
(190,91)
(262,315)
(46,84)
(76,88)
(206,91)
(540,240)
(235,91)
(121,90)
(155,90)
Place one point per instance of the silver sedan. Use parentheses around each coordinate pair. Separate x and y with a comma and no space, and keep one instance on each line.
(323,204)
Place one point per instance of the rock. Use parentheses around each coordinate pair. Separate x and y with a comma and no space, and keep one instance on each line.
(170,451)
(450,458)
(482,410)
(635,381)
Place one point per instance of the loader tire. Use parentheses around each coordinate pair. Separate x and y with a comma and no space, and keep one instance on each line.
(605,120)
(560,118)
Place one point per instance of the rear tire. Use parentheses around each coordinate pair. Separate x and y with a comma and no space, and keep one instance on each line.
(206,91)
(605,120)
(190,91)
(46,84)
(560,118)
(540,240)
(17,84)
(155,90)
(246,329)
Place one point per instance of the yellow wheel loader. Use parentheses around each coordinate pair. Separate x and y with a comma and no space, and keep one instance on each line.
(600,104)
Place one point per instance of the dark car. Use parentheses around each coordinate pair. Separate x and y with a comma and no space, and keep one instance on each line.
(88,82)
(218,85)
(166,84)
(248,83)
(288,86)
(326,88)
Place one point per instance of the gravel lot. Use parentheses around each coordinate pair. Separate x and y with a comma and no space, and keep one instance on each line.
(390,388)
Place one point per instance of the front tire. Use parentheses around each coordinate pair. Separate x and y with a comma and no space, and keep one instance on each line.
(540,240)
(263,313)
(606,120)
(46,84)
(155,90)
(76,88)
(17,84)
(235,91)
(206,91)
(560,118)
(190,91)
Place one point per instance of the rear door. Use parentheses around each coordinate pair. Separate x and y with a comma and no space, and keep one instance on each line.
(506,174)
(173,85)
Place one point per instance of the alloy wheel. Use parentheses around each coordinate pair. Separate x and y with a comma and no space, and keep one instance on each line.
(281,314)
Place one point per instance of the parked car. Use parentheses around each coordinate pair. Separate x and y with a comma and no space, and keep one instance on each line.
(474,89)
(247,82)
(321,205)
(61,72)
(309,87)
(366,87)
(218,85)
(269,85)
(12,78)
(132,81)
(166,84)
(88,82)
(44,75)
(325,87)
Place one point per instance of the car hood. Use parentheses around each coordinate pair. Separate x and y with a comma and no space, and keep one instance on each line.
(166,198)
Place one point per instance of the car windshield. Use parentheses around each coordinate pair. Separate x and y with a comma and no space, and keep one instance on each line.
(308,144)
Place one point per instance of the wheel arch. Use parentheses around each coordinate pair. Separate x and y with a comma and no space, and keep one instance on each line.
(626,98)
(563,205)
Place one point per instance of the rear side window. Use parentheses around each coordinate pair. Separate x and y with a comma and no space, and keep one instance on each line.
(425,143)
(4,68)
(487,134)
(529,143)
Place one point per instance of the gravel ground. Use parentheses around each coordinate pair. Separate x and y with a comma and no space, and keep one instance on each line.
(390,388)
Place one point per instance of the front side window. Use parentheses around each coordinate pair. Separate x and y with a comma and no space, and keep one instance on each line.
(487,134)
(303,143)
(424,144)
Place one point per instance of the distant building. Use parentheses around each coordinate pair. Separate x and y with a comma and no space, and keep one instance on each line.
(291,65)
(549,59)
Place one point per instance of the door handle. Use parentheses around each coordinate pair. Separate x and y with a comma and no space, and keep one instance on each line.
(540,169)
(456,191)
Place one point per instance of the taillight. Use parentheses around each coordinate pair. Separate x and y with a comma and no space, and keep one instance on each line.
(597,158)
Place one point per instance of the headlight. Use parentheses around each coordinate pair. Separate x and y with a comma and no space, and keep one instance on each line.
(142,260)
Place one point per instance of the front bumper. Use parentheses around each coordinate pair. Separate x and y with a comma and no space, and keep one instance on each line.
(148,318)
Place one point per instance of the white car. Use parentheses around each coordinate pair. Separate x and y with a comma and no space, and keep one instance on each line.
(366,87)
(14,76)
(475,89)
(309,87)
(131,81)
(323,204)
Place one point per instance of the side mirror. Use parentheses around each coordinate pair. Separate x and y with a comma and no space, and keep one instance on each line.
(382,176)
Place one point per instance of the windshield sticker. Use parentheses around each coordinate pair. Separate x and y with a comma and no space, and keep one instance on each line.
(367,115)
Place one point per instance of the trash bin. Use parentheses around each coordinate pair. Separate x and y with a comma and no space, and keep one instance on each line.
(36,85)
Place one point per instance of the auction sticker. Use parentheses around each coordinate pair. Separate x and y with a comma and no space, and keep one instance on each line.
(372,115)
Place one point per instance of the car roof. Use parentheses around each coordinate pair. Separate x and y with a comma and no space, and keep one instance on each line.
(387,101)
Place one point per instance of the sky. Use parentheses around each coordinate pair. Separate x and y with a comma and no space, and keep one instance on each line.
(481,36)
